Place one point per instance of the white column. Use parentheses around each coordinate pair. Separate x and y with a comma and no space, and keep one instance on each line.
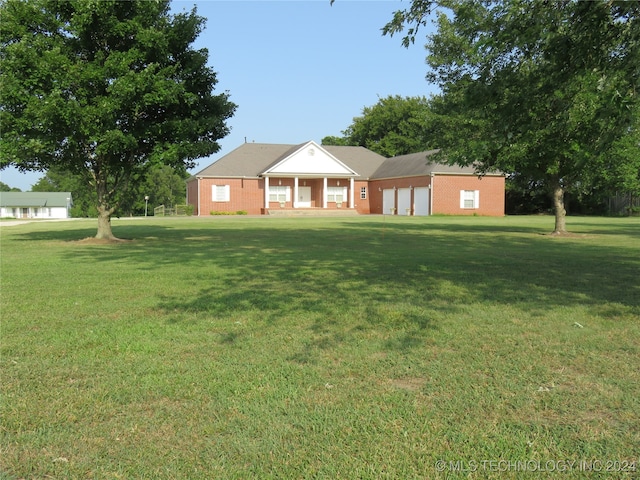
(324,193)
(266,192)
(295,192)
(351,193)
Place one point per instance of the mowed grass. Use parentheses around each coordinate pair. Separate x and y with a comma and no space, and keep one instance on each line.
(366,347)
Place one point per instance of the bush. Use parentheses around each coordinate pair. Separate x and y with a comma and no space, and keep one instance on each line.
(238,212)
(188,210)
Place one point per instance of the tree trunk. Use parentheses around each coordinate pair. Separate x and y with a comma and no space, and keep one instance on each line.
(105,206)
(104,224)
(558,205)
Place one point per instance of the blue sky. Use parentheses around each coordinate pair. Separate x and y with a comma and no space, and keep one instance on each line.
(298,70)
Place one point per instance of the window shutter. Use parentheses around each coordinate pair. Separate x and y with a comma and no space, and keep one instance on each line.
(461,198)
(476,199)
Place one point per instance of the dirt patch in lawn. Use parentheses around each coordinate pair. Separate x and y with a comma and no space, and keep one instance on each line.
(411,384)
(103,241)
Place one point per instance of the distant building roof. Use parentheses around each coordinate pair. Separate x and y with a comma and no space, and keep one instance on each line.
(35,199)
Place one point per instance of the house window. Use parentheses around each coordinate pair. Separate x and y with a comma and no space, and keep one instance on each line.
(470,199)
(335,194)
(221,193)
(363,193)
(279,193)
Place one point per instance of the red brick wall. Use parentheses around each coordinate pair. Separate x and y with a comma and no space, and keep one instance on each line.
(362,205)
(245,194)
(446,194)
(248,194)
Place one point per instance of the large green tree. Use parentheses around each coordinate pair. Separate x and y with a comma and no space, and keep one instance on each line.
(395,125)
(544,90)
(105,90)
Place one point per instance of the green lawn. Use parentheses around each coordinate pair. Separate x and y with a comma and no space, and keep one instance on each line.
(359,347)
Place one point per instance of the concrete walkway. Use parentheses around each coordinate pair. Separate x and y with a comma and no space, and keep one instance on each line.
(13,223)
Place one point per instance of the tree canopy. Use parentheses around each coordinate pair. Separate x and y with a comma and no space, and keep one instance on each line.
(105,90)
(545,90)
(394,126)
(6,188)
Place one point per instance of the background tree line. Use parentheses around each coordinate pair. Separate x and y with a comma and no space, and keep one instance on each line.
(163,185)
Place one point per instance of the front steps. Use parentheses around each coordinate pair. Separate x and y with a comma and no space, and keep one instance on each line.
(312,212)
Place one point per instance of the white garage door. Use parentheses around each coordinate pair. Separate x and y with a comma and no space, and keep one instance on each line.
(421,200)
(388,201)
(404,201)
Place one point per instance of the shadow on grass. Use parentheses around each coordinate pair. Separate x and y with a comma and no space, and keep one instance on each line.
(402,276)
(56,234)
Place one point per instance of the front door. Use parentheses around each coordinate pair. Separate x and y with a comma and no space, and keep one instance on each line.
(304,197)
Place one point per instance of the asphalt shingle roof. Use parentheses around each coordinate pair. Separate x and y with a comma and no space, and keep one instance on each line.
(248,160)
(252,159)
(35,199)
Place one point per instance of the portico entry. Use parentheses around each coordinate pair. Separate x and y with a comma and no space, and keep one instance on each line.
(304,197)
(308,176)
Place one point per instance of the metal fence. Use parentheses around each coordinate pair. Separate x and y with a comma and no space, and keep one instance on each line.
(178,210)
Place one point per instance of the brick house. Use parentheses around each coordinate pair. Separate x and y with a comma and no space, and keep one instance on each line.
(259,178)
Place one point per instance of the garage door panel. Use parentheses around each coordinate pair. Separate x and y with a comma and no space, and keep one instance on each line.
(421,200)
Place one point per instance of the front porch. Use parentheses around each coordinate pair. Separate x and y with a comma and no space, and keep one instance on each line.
(308,193)
(308,177)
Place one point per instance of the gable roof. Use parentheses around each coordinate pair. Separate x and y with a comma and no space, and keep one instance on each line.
(309,159)
(254,159)
(35,199)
